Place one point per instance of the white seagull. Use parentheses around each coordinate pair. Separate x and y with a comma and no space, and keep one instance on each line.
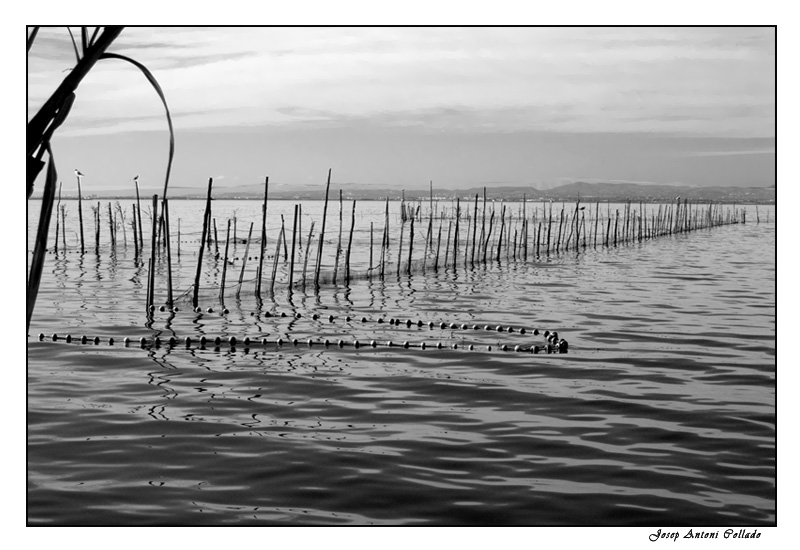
(78,173)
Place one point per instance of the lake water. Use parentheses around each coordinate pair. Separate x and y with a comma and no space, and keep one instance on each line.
(661,413)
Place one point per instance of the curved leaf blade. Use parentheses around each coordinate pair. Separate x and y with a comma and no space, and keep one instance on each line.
(160,93)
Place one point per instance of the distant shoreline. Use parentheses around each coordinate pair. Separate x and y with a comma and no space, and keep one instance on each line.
(573,192)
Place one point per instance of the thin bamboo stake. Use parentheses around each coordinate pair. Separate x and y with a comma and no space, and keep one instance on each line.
(64,226)
(80,208)
(488,236)
(307,254)
(139,214)
(447,244)
(203,236)
(339,242)
(410,247)
(135,230)
(455,235)
(438,245)
(474,231)
(58,207)
(263,246)
(538,234)
(216,240)
(350,245)
(385,239)
(165,208)
(294,241)
(371,246)
(275,262)
(283,235)
(151,274)
(400,247)
(244,259)
(97,229)
(502,229)
(322,232)
(225,264)
(110,229)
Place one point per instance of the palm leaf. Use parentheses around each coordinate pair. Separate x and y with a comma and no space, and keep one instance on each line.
(44,117)
(84,40)
(32,37)
(160,93)
(40,248)
(74,46)
(94,35)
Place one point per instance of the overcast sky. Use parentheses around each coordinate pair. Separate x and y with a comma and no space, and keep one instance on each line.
(402,106)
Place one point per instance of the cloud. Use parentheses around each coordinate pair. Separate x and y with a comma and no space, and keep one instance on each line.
(695,81)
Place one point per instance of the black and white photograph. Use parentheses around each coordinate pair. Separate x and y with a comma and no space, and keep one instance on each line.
(444,275)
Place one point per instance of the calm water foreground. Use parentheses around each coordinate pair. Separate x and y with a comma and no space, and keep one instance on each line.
(661,414)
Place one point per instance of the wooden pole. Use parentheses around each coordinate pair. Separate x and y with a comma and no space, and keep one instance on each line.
(410,247)
(455,234)
(447,244)
(400,247)
(322,232)
(97,229)
(110,229)
(350,245)
(151,275)
(263,247)
(202,245)
(244,259)
(283,235)
(58,207)
(474,231)
(139,214)
(80,211)
(371,246)
(275,262)
(165,208)
(307,253)
(135,231)
(216,240)
(64,226)
(339,242)
(294,243)
(488,236)
(225,264)
(438,245)
(502,228)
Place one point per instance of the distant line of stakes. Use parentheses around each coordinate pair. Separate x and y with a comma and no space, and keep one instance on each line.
(468,232)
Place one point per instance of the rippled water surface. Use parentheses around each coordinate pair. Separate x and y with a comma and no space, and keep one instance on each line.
(662,413)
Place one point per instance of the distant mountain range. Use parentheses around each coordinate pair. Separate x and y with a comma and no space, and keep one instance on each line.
(589,192)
